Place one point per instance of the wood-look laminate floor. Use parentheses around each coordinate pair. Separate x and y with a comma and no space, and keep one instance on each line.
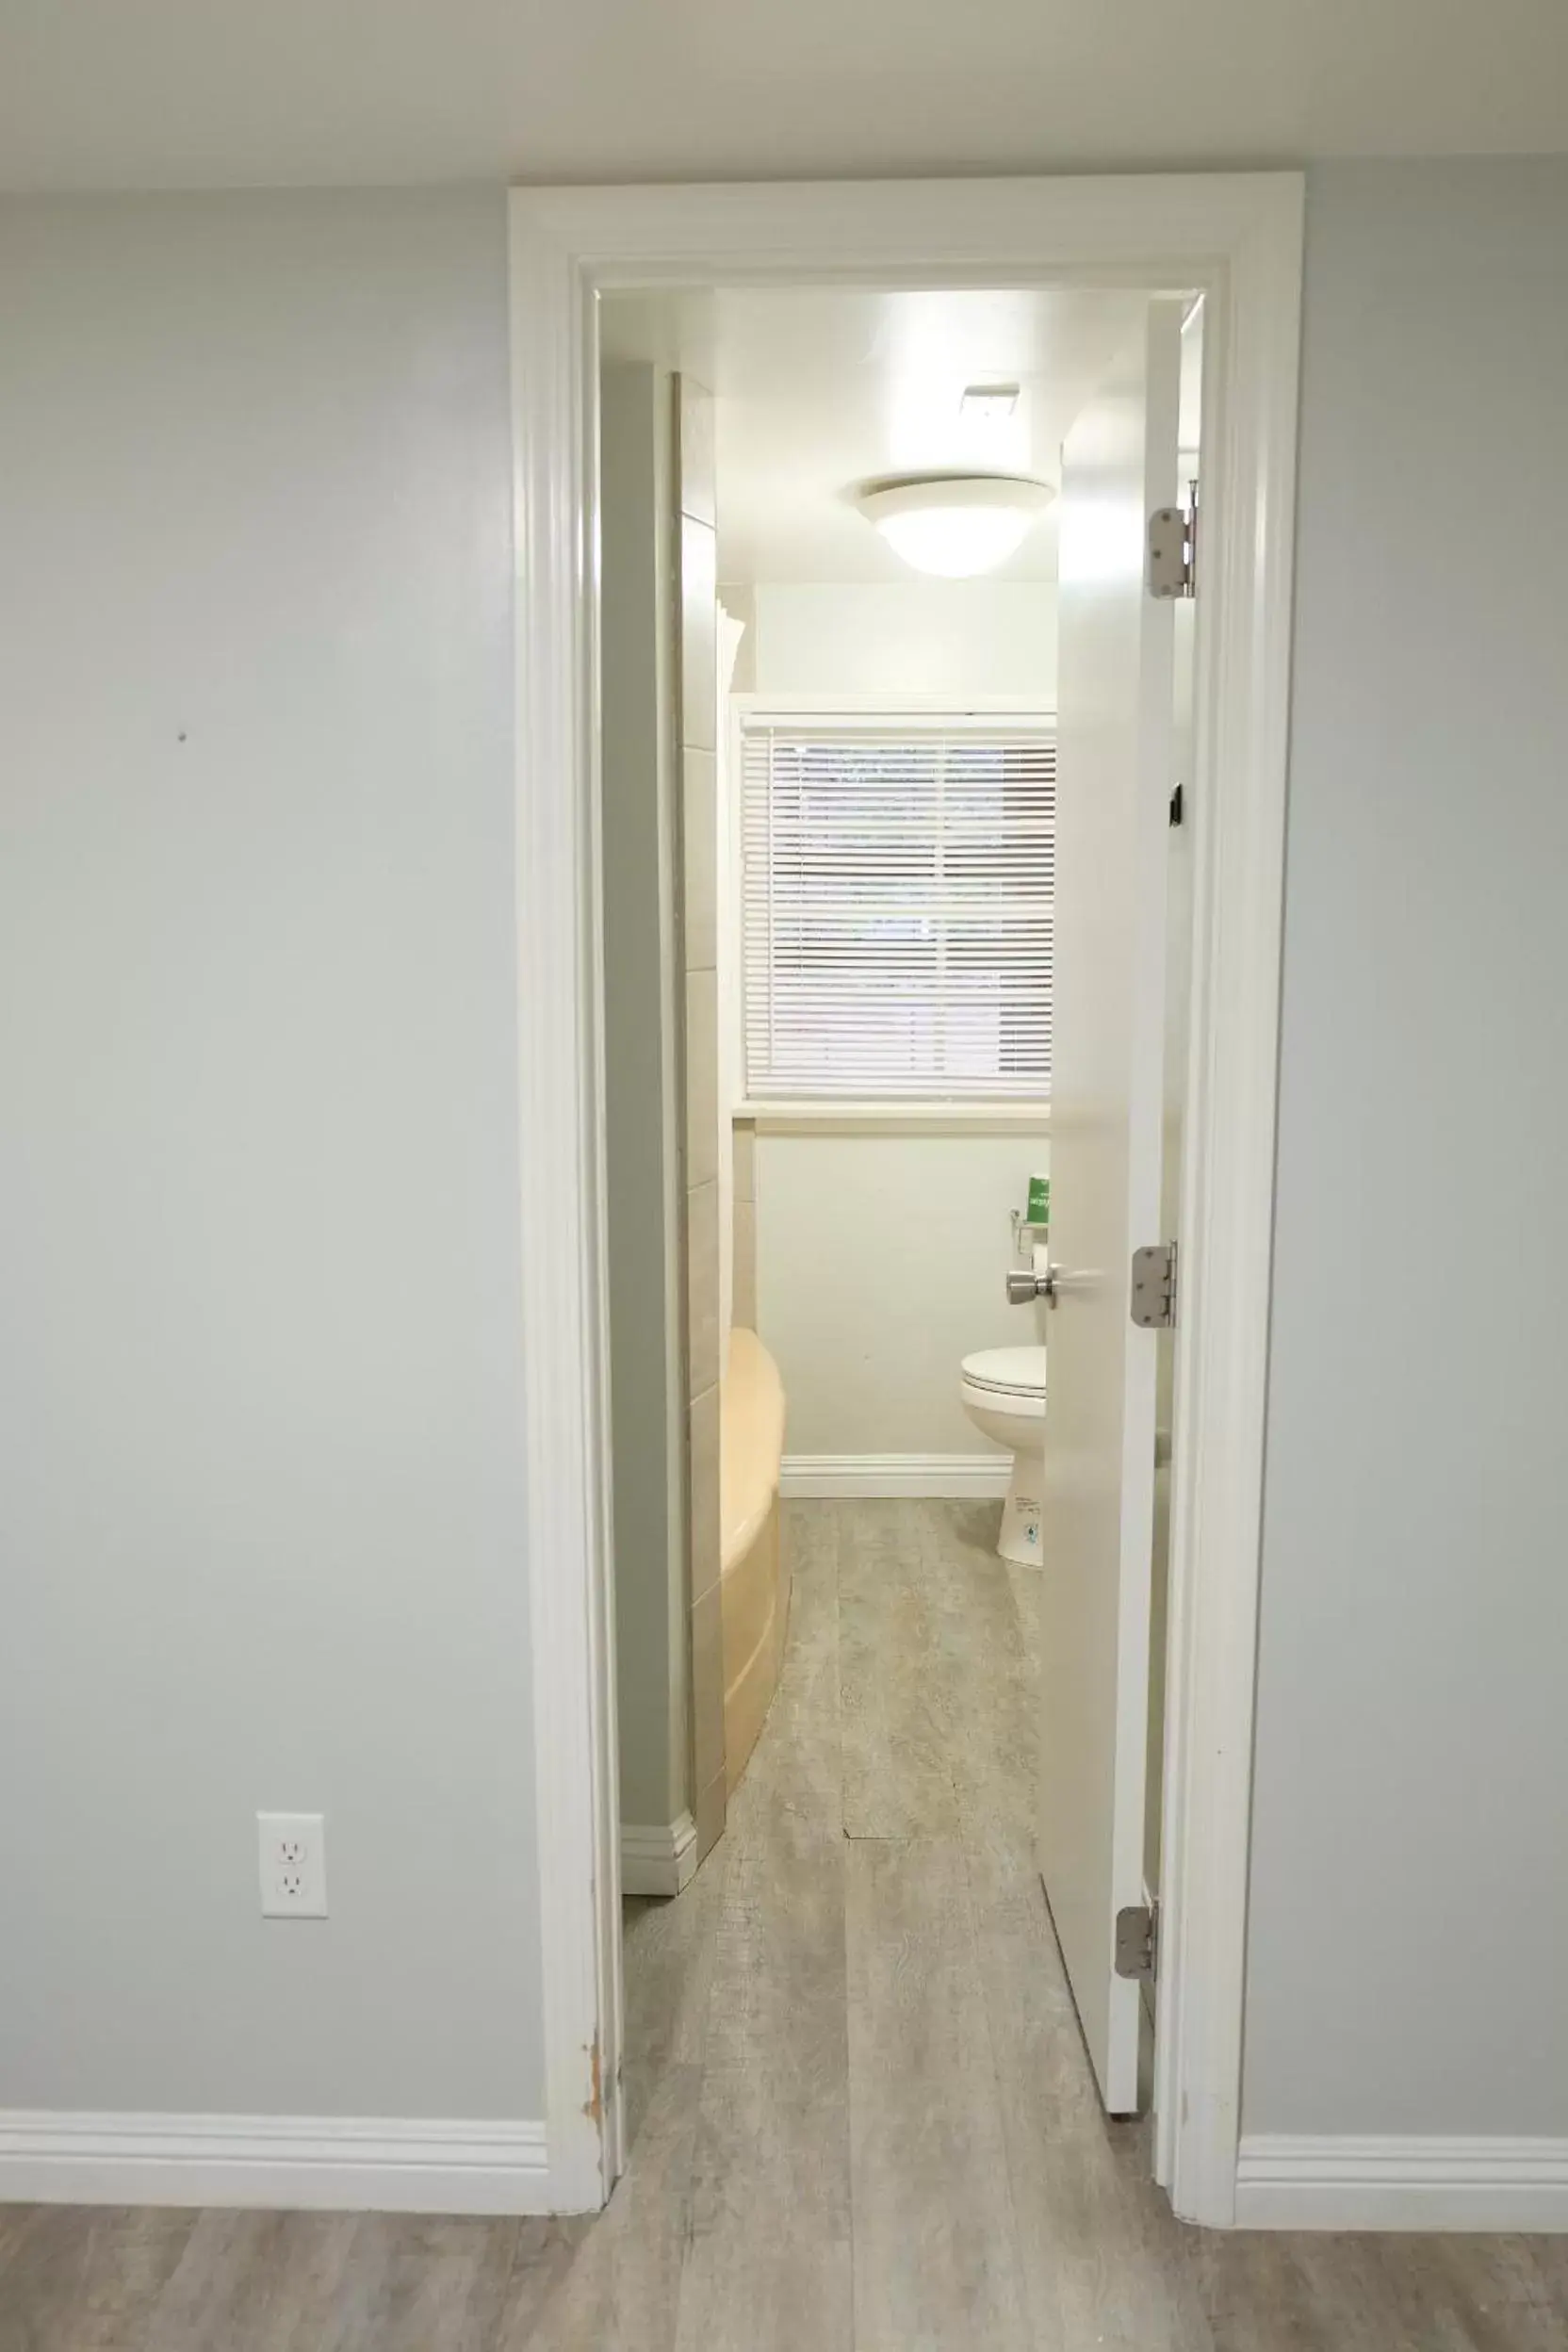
(861,2119)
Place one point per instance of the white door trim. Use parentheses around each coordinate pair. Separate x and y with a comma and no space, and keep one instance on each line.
(1238,239)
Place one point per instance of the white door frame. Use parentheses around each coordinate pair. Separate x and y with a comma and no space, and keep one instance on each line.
(1238,239)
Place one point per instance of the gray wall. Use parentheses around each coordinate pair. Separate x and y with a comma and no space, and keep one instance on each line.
(260,1348)
(259,1341)
(642,1057)
(1408,1888)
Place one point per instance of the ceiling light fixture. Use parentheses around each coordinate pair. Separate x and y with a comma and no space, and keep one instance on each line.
(955,525)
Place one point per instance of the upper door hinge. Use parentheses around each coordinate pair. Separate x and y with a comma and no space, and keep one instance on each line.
(1173,549)
(1138,1940)
(1155,1286)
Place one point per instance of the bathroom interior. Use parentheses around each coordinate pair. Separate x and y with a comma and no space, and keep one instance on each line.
(828,612)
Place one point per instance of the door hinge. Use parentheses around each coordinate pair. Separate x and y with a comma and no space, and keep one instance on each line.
(1179,805)
(1138,1940)
(1155,1286)
(1173,549)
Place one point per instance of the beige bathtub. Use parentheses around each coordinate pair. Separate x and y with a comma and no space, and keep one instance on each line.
(756,1574)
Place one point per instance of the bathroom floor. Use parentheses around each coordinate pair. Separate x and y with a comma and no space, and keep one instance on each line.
(860,2115)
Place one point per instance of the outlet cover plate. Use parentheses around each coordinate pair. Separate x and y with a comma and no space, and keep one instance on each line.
(292,1853)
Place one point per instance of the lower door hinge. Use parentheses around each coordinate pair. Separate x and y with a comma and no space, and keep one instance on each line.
(1155,1286)
(1138,1940)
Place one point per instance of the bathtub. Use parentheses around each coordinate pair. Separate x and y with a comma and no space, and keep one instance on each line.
(755,1570)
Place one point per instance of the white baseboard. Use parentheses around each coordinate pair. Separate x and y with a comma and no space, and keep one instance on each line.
(823,1478)
(657,1857)
(1289,2182)
(325,2162)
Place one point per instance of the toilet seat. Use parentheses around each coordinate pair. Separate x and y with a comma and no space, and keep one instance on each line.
(1008,1372)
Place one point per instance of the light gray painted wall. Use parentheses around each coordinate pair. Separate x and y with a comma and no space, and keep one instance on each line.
(1408,1888)
(642,1080)
(261,1511)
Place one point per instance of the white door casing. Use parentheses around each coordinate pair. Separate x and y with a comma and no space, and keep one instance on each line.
(1115,751)
(1236,237)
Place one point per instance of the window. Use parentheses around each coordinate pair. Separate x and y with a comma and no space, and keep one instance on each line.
(897,880)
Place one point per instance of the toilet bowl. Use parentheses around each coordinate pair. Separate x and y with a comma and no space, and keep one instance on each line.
(1003,1391)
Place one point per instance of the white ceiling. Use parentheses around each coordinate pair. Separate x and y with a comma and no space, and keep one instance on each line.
(819,388)
(159,93)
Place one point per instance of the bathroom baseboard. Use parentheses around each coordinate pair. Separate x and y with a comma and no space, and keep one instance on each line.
(657,1857)
(824,1478)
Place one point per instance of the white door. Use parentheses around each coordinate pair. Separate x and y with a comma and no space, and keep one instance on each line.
(1114,781)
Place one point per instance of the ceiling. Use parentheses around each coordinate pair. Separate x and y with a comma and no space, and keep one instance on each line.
(818,388)
(164,93)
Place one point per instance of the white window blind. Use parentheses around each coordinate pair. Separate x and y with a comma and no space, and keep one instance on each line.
(897,886)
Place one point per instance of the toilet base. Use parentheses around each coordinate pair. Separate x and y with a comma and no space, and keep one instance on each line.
(1019,1539)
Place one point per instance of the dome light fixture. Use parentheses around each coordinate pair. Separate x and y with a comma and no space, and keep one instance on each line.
(955,525)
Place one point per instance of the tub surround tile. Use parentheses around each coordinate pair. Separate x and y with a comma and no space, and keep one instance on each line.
(743,1271)
(702,1082)
(699,690)
(702,1287)
(699,842)
(696,670)
(699,470)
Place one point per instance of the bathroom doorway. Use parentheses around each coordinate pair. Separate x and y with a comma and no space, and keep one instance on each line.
(834,892)
(829,812)
(761,773)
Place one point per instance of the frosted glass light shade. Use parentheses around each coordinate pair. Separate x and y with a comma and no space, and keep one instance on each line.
(956,525)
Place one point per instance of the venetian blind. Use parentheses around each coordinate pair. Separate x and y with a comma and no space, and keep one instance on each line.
(897,889)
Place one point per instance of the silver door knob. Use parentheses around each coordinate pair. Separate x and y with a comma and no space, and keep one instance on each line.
(1024,1286)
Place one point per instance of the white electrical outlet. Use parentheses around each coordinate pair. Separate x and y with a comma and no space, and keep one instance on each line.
(293,1855)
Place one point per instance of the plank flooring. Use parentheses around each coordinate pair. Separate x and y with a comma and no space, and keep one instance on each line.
(860,2117)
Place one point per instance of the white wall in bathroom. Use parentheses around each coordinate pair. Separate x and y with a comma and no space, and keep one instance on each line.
(881,1257)
(881,1262)
(906,638)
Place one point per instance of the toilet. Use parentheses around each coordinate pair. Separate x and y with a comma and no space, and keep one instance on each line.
(1003,1391)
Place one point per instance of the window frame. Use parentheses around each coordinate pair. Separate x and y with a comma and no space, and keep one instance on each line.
(878,1114)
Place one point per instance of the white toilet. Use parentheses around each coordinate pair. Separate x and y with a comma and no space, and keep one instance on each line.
(1003,1391)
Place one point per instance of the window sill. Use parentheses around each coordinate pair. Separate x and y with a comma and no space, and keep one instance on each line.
(894,1119)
